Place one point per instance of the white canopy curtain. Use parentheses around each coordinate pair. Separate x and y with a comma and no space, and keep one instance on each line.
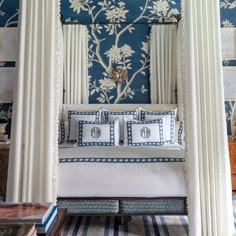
(179,77)
(33,154)
(163,64)
(209,183)
(75,64)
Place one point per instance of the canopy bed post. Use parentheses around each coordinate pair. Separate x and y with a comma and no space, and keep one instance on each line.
(209,184)
(33,154)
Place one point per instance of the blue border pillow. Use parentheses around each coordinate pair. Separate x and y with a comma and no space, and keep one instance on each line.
(97,134)
(92,116)
(144,133)
(168,123)
(112,115)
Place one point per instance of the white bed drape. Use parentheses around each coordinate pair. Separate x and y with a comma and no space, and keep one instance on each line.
(209,183)
(179,69)
(33,154)
(163,69)
(75,64)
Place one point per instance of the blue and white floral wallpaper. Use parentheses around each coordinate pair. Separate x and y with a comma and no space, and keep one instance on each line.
(228,13)
(124,44)
(229,108)
(6,113)
(9,13)
(8,18)
(126,48)
(130,51)
(9,10)
(228,19)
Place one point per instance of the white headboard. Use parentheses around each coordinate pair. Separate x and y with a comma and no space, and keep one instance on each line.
(115,107)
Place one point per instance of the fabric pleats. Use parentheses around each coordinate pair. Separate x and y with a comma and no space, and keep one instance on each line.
(209,183)
(33,153)
(75,64)
(163,50)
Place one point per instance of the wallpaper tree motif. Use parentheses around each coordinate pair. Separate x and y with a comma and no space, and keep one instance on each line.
(123,44)
(118,11)
(134,58)
(75,10)
(9,13)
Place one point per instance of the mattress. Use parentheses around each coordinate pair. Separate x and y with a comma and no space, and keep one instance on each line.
(121,171)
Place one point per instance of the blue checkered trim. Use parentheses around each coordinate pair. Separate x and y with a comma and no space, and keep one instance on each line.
(80,135)
(180,132)
(62,131)
(119,113)
(129,133)
(172,122)
(120,160)
(87,113)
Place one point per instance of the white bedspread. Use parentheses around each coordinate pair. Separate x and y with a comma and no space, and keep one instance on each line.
(121,171)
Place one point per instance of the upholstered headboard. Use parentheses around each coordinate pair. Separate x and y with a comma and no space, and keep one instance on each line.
(115,107)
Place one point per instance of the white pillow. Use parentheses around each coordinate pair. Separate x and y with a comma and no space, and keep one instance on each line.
(143,133)
(112,115)
(168,123)
(79,115)
(97,134)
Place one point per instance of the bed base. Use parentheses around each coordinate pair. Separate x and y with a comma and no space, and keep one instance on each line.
(124,206)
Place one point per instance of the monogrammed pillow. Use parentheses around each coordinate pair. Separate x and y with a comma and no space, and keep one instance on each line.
(143,133)
(92,116)
(168,124)
(97,134)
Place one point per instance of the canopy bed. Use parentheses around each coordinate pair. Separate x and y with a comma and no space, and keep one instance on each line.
(122,181)
(132,175)
(34,156)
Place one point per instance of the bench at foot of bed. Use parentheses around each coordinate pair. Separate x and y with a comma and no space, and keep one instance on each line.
(162,206)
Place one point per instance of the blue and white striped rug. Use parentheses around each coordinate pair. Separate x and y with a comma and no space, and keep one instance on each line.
(138,226)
